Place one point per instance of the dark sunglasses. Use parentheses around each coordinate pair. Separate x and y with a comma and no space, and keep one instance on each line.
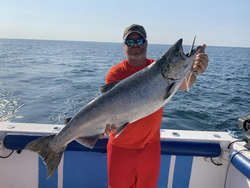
(131,42)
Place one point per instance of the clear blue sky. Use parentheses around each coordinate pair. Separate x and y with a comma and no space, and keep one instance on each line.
(214,22)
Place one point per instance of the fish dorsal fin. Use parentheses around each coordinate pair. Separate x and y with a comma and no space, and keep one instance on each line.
(108,87)
(88,141)
(120,129)
(169,90)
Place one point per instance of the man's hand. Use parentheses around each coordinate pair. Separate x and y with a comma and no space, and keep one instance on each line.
(201,61)
(108,129)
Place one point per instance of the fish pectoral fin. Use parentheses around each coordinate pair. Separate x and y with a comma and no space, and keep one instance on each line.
(67,120)
(120,129)
(169,90)
(108,87)
(88,141)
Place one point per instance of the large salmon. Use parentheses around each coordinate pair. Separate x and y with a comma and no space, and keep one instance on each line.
(122,103)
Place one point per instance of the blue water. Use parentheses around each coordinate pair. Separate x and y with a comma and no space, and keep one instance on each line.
(47,81)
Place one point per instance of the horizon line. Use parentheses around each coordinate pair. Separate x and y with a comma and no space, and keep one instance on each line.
(113,42)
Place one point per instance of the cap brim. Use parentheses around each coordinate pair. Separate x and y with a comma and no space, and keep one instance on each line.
(133,32)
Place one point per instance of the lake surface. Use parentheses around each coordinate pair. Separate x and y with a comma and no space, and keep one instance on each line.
(44,81)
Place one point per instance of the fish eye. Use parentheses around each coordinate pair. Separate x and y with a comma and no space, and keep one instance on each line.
(176,53)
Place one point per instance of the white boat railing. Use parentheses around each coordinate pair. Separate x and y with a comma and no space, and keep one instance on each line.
(191,159)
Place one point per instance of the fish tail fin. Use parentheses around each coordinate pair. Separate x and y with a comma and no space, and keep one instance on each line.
(50,157)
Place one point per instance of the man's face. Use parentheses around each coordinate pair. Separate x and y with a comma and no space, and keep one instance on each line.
(136,51)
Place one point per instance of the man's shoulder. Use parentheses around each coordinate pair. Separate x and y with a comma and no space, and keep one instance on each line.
(125,64)
(117,72)
(149,61)
(120,65)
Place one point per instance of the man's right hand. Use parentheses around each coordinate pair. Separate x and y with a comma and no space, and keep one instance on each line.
(108,129)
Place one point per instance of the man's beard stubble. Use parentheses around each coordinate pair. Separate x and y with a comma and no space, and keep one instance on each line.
(137,56)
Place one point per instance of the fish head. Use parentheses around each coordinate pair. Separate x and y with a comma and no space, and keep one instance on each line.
(175,65)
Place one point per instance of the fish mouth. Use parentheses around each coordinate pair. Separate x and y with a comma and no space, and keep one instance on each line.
(189,54)
(188,59)
(192,50)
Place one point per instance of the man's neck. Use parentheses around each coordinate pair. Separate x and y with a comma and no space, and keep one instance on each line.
(137,62)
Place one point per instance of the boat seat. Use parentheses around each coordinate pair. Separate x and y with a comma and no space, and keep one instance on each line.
(168,147)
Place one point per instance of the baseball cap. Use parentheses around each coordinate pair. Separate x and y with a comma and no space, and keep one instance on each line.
(135,28)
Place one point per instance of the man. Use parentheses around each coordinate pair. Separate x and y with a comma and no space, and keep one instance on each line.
(134,156)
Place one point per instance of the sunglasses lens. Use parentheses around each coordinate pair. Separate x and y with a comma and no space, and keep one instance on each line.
(129,42)
(140,41)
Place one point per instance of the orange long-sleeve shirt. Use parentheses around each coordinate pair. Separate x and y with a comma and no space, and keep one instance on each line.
(145,130)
